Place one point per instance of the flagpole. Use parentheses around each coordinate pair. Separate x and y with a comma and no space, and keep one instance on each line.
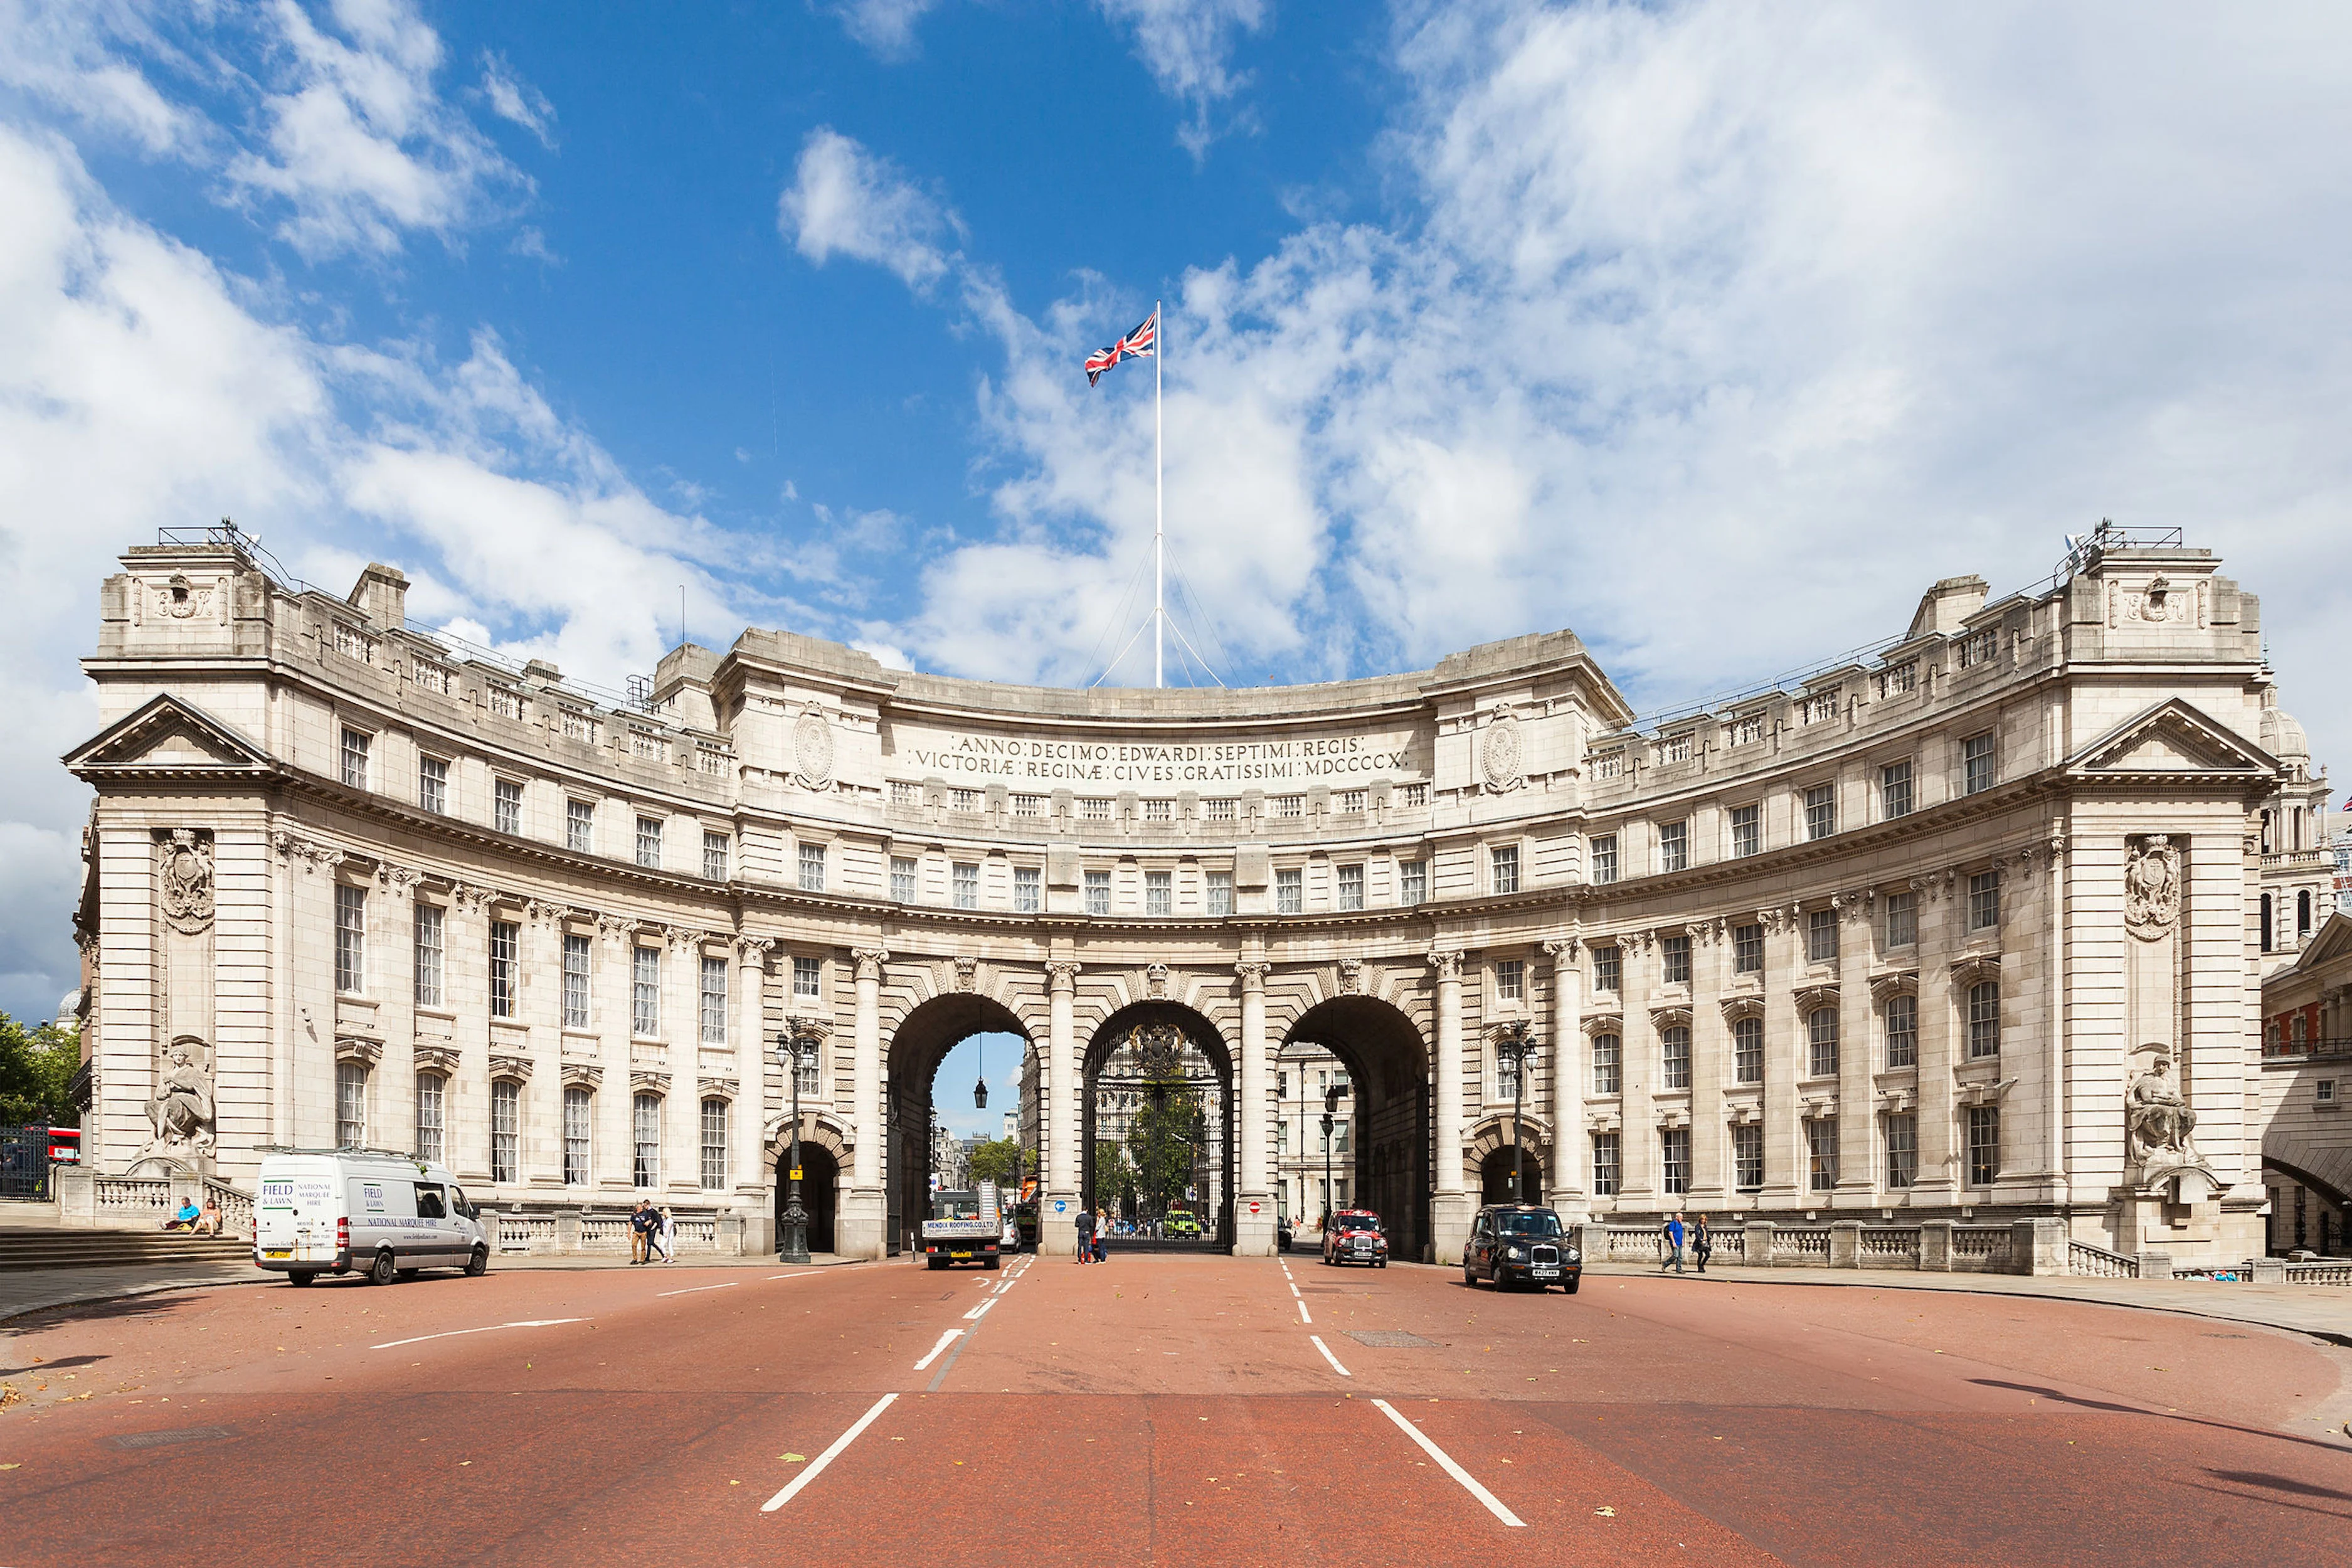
(1159,507)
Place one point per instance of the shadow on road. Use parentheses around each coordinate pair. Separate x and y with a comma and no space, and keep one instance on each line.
(2055,1397)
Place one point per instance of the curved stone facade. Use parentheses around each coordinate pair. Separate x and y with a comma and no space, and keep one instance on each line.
(1909,936)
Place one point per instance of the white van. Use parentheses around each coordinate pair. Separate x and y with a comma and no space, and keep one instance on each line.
(386,1215)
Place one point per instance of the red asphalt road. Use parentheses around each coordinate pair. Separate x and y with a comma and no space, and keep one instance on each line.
(1159,1409)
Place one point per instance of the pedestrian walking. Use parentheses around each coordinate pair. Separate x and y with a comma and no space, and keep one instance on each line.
(1671,1234)
(1102,1234)
(1086,1235)
(1702,1242)
(641,1232)
(666,1229)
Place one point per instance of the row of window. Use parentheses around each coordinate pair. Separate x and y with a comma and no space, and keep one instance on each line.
(506,1129)
(1160,886)
(1899,1139)
(1899,927)
(1820,813)
(906,793)
(1900,1042)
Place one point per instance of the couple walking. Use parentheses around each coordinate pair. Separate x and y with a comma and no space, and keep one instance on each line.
(652,1230)
(1093,1229)
(1673,1235)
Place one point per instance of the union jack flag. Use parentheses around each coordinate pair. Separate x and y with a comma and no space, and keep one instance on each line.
(1139,343)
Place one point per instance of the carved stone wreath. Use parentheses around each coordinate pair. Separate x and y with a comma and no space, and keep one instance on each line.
(1499,753)
(813,751)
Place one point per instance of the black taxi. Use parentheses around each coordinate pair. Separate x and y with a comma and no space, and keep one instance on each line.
(1354,1236)
(1520,1244)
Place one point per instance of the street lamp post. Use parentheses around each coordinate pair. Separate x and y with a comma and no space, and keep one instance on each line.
(791,1243)
(1518,1049)
(1330,1107)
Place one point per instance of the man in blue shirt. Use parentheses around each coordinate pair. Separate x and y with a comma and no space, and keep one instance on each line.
(1672,1235)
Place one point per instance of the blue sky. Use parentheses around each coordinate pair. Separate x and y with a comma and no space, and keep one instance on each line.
(1715,331)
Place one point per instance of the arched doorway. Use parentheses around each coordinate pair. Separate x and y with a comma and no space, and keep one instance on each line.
(1157,1125)
(820,1194)
(1495,1177)
(1382,1154)
(917,1047)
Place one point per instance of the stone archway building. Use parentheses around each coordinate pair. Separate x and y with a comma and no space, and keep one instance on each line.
(1909,934)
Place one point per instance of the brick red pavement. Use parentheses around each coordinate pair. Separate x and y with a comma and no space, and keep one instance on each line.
(1159,1409)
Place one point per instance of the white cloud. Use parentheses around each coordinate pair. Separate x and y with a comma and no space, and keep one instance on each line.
(885,27)
(511,97)
(63,53)
(1188,46)
(845,200)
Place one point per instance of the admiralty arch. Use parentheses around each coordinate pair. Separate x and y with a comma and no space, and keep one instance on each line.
(1963,930)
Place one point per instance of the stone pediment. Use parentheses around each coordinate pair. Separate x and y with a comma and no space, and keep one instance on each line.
(2173,738)
(168,735)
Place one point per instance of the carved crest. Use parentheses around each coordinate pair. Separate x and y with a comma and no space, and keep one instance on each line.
(813,749)
(2152,887)
(1155,980)
(188,880)
(1499,753)
(1351,976)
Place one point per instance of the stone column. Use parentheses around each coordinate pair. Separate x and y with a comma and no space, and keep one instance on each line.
(1639,1155)
(1567,1067)
(1784,1062)
(1058,1230)
(2053,1039)
(859,1219)
(754,1051)
(1858,1180)
(1940,1033)
(1451,1209)
(1710,1066)
(1253,1233)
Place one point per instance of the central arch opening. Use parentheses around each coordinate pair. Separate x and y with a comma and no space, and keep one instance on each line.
(937,1135)
(1366,1062)
(1157,1129)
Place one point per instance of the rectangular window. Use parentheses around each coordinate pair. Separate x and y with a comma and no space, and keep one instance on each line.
(645,992)
(812,864)
(433,785)
(1984,1144)
(1289,890)
(1159,893)
(351,1105)
(714,1000)
(430,1087)
(1902,1031)
(575,980)
(1217,810)
(1218,889)
(902,878)
(1507,1076)
(1604,857)
(506,940)
(1609,968)
(1351,887)
(808,978)
(1413,882)
(1608,1064)
(506,806)
(1976,763)
(1748,1050)
(1821,1153)
(807,1065)
(1604,1164)
(1902,1148)
(1821,811)
(1748,950)
(1097,891)
(356,759)
(351,938)
(963,884)
(1674,1051)
(1028,890)
(1290,806)
(1822,1043)
(579,826)
(505,1132)
(1902,919)
(432,924)
(1984,1019)
(1821,936)
(646,1116)
(1673,1151)
(1894,789)
(1510,979)
(1029,806)
(578,1130)
(1984,900)
(1673,960)
(649,834)
(1673,846)
(1747,830)
(1159,811)
(714,857)
(714,1145)
(1747,1156)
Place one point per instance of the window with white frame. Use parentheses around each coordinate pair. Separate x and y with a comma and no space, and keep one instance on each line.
(431,1087)
(1984,1144)
(1748,1050)
(812,866)
(506,944)
(1821,811)
(1510,979)
(1097,885)
(1674,1055)
(1604,857)
(506,806)
(1747,831)
(649,838)
(1984,1019)
(1821,1153)
(1351,887)
(433,785)
(1159,893)
(505,1132)
(1029,806)
(351,1104)
(645,992)
(1903,918)
(579,1134)
(1675,959)
(1604,1164)
(1504,864)
(1220,810)
(1977,763)
(432,932)
(808,978)
(1217,892)
(1506,1074)
(1747,1156)
(1822,1042)
(1028,890)
(807,1065)
(1673,846)
(1902,1148)
(714,857)
(1902,1016)
(963,884)
(714,1144)
(1289,890)
(1608,1064)
(645,1168)
(1413,882)
(1748,949)
(356,758)
(1821,936)
(1984,900)
(1673,1159)
(579,826)
(1608,967)
(351,938)
(1894,789)
(575,980)
(902,878)
(714,1000)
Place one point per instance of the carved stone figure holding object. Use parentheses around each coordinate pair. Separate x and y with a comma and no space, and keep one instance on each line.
(2159,1119)
(182,1110)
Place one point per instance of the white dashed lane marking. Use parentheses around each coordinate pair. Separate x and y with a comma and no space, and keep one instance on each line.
(1445,1462)
(844,1441)
(692,1288)
(488,1327)
(1319,1345)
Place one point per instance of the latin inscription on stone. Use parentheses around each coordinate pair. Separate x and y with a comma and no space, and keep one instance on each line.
(1017,759)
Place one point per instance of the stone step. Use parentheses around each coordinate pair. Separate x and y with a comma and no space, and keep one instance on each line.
(51,1248)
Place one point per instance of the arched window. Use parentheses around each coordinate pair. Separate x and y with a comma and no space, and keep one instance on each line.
(1822,1038)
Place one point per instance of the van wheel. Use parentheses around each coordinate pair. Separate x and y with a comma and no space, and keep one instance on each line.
(300,1276)
(384,1271)
(477,1263)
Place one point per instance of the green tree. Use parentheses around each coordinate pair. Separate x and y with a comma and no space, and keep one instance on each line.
(997,1160)
(1162,1140)
(1114,1175)
(35,1064)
